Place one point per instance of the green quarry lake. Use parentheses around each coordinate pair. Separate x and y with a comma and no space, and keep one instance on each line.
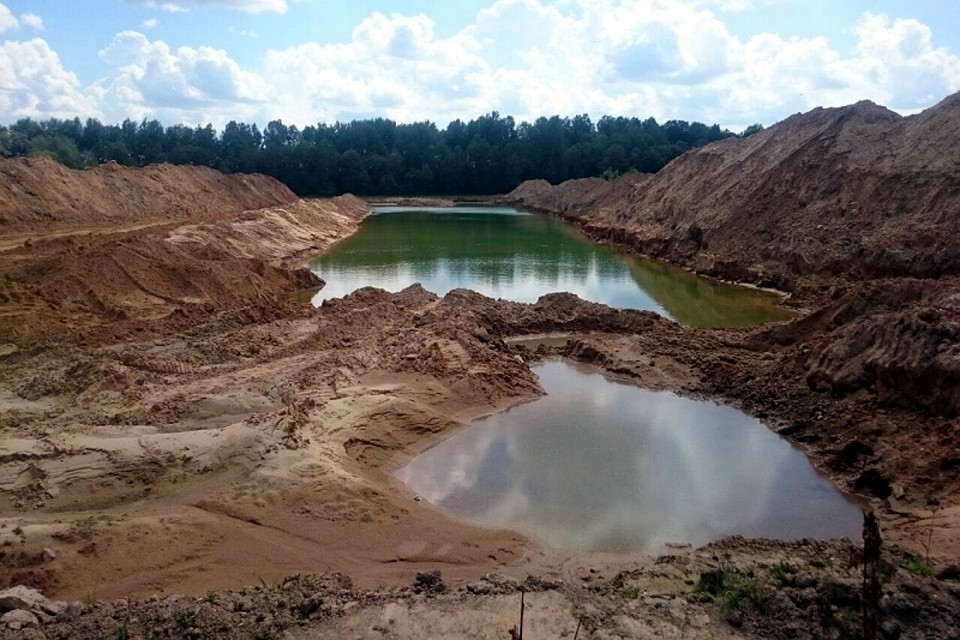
(504,253)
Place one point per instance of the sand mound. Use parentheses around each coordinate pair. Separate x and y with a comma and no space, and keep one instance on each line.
(855,190)
(40,193)
(150,263)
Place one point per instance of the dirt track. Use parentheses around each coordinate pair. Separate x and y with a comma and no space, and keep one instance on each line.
(175,421)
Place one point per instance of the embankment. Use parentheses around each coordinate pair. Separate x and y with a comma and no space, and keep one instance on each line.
(855,192)
(41,194)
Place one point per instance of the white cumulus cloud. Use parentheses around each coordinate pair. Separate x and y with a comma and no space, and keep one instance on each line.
(525,58)
(7,19)
(32,20)
(34,84)
(901,63)
(894,63)
(149,79)
(393,66)
(666,58)
(736,5)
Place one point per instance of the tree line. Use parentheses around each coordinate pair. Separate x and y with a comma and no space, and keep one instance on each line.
(491,154)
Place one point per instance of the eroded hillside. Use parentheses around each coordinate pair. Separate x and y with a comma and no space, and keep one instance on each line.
(92,255)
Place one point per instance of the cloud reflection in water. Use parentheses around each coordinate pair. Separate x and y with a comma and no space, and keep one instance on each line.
(603,466)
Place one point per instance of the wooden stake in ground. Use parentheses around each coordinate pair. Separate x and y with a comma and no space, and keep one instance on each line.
(522,593)
(871,574)
(514,634)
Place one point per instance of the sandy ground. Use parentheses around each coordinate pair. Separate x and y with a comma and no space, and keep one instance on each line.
(734,588)
(175,421)
(214,460)
(168,479)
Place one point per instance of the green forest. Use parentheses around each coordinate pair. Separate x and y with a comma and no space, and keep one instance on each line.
(491,154)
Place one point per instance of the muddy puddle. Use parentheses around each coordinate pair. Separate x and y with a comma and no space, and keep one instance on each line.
(504,253)
(603,466)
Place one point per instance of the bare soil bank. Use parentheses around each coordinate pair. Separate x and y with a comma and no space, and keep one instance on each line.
(174,421)
(857,191)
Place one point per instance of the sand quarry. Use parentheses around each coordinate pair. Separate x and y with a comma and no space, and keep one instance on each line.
(176,420)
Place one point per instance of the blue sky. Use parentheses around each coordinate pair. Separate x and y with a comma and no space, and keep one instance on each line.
(734,62)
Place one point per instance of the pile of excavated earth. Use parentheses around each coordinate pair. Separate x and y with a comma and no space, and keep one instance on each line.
(190,449)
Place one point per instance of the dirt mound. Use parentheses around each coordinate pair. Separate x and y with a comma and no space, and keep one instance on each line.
(281,234)
(577,199)
(897,339)
(41,192)
(96,289)
(122,255)
(855,190)
(877,374)
(413,202)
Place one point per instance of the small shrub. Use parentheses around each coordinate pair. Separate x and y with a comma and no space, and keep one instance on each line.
(779,572)
(918,567)
(886,571)
(631,592)
(189,617)
(729,588)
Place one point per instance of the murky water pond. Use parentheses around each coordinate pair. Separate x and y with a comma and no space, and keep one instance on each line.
(504,253)
(598,465)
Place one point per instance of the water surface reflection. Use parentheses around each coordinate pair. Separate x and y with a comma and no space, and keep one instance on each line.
(602,466)
(504,253)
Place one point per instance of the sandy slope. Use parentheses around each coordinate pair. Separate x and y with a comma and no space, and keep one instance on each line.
(857,191)
(41,194)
